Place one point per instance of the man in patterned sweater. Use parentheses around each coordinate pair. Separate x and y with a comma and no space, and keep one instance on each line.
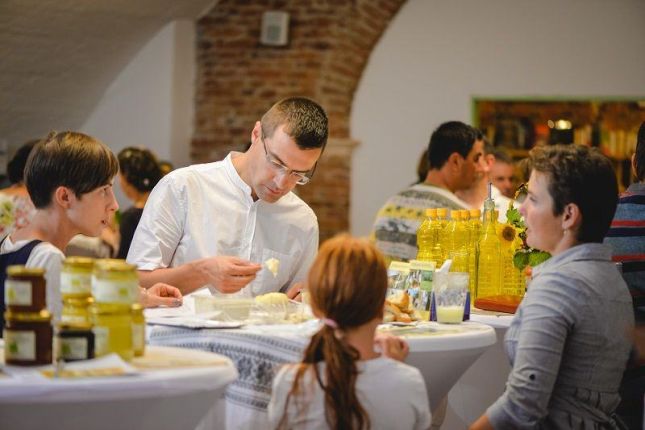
(627,238)
(627,233)
(454,155)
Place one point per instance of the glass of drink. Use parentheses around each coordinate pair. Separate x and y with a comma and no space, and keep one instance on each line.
(450,298)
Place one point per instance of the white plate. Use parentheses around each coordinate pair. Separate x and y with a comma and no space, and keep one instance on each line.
(193,322)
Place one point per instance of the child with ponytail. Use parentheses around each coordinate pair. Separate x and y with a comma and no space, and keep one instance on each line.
(342,382)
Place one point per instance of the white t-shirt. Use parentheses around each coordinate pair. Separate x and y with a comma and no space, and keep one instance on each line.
(48,257)
(206,210)
(392,393)
(501,203)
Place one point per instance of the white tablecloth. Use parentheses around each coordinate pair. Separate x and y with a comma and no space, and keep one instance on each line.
(156,399)
(441,352)
(485,380)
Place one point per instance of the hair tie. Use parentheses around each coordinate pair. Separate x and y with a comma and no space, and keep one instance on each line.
(329,323)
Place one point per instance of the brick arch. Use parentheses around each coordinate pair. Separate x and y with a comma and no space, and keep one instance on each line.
(238,79)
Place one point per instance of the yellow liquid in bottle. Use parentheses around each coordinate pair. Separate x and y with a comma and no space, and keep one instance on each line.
(425,240)
(489,262)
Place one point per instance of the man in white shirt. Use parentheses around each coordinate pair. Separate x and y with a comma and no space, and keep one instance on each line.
(214,225)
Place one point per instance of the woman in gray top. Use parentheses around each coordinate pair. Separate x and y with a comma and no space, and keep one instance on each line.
(568,343)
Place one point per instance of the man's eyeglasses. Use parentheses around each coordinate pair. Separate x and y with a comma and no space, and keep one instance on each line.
(301,178)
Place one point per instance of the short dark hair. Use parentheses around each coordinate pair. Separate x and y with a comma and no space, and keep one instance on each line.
(16,166)
(140,168)
(69,159)
(448,138)
(583,176)
(502,156)
(304,120)
(640,154)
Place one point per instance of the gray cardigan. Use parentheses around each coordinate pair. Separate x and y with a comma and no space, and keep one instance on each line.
(568,345)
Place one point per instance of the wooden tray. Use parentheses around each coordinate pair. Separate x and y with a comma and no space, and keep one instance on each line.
(506,304)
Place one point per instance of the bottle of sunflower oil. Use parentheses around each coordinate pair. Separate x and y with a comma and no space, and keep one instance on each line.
(488,250)
(475,231)
(425,240)
(513,280)
(439,250)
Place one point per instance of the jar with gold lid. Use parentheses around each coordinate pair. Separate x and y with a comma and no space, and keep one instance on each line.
(75,342)
(115,285)
(112,328)
(76,311)
(28,338)
(25,289)
(76,277)
(138,330)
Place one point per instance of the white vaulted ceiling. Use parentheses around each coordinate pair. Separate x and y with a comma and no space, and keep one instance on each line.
(57,57)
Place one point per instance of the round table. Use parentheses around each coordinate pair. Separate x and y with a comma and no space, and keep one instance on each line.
(174,389)
(441,352)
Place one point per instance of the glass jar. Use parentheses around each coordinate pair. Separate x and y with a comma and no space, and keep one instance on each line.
(76,311)
(115,285)
(75,342)
(112,331)
(76,277)
(28,338)
(138,330)
(25,289)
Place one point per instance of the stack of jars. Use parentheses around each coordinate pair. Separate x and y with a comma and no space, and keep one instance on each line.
(75,335)
(117,318)
(28,331)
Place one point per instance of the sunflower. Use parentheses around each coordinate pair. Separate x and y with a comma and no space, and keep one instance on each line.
(507,234)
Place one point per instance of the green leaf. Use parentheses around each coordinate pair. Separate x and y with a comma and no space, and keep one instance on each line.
(538,257)
(514,217)
(520,259)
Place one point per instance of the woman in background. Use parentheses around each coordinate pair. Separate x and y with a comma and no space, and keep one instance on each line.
(342,382)
(16,208)
(139,172)
(568,342)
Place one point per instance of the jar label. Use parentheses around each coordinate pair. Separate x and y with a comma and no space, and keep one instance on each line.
(101,340)
(73,319)
(126,292)
(17,293)
(73,348)
(73,283)
(138,337)
(20,345)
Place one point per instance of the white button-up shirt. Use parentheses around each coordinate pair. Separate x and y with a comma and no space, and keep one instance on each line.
(206,210)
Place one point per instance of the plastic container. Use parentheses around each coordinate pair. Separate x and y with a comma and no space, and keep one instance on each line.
(232,308)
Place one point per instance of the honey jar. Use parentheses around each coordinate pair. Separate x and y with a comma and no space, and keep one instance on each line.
(75,342)
(115,285)
(28,338)
(112,328)
(138,330)
(76,311)
(76,277)
(25,289)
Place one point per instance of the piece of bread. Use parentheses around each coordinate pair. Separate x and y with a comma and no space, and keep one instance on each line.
(273,264)
(401,300)
(272,299)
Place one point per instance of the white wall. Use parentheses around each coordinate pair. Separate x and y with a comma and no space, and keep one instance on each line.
(437,54)
(150,103)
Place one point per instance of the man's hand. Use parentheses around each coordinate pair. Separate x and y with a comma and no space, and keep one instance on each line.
(392,346)
(227,274)
(160,295)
